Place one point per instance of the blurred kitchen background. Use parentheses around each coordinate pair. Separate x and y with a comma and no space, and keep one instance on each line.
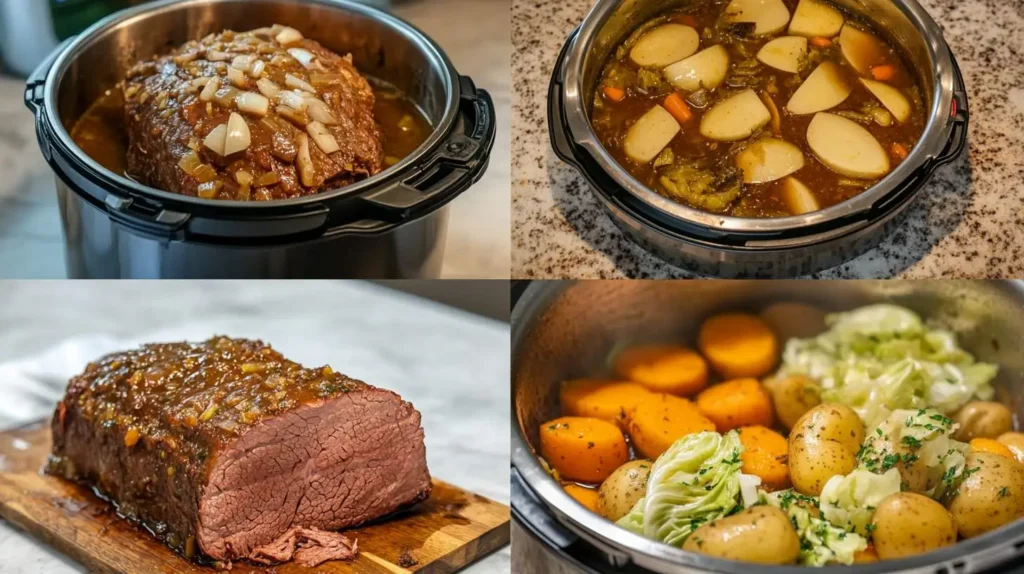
(474,33)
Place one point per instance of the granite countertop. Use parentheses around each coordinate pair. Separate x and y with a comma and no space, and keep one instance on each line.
(452,365)
(474,34)
(967,222)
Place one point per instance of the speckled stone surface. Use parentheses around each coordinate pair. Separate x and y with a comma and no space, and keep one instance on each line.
(967,222)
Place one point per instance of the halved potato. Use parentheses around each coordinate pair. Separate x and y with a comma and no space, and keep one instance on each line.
(769,159)
(735,118)
(812,18)
(891,98)
(664,45)
(846,147)
(706,68)
(768,16)
(784,53)
(798,197)
(861,49)
(650,134)
(825,88)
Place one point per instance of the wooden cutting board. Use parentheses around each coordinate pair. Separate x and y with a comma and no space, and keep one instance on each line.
(442,534)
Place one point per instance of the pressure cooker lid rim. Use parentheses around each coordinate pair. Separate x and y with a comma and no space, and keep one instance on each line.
(937,133)
(61,141)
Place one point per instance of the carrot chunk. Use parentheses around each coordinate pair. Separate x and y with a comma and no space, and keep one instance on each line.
(612,401)
(661,420)
(764,454)
(614,94)
(676,105)
(583,495)
(991,446)
(737,403)
(672,369)
(820,42)
(583,449)
(738,345)
(883,73)
(899,151)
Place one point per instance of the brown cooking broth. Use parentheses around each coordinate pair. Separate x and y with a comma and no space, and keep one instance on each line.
(101,134)
(646,87)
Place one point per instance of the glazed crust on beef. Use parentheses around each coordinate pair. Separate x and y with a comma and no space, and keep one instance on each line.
(168,117)
(223,447)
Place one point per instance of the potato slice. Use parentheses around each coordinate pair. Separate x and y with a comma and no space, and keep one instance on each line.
(812,18)
(768,16)
(825,88)
(784,53)
(706,68)
(861,49)
(665,45)
(735,118)
(891,98)
(650,134)
(846,147)
(769,159)
(798,197)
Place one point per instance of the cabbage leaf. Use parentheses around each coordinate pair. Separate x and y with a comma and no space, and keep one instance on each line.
(821,542)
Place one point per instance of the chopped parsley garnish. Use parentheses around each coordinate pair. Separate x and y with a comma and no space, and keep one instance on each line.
(911,442)
(1004,492)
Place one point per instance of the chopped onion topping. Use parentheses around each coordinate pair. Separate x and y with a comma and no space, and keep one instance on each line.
(326,79)
(307,173)
(226,96)
(189,162)
(296,82)
(131,91)
(322,137)
(211,88)
(217,56)
(238,137)
(296,116)
(252,103)
(320,112)
(185,58)
(243,177)
(292,99)
(193,144)
(201,82)
(269,178)
(209,190)
(236,77)
(268,88)
(288,36)
(215,140)
(243,63)
(205,173)
(257,68)
(305,57)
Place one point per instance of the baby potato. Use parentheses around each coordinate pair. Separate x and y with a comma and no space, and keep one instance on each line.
(793,396)
(1015,442)
(982,419)
(823,443)
(907,523)
(916,476)
(759,534)
(623,487)
(990,496)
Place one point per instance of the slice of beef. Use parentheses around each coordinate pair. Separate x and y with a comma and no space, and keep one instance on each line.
(307,111)
(229,449)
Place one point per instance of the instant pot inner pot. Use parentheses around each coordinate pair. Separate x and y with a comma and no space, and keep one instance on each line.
(378,50)
(577,326)
(885,16)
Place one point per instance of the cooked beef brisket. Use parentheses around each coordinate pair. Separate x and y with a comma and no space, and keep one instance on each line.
(227,448)
(259,115)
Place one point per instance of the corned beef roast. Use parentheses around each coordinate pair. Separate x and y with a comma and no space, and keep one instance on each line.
(229,449)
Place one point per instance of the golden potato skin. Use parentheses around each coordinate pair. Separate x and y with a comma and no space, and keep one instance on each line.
(620,491)
(793,396)
(759,534)
(823,443)
(1015,442)
(982,419)
(991,496)
(907,523)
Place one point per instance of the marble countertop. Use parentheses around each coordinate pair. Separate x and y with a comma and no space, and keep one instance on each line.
(443,360)
(967,222)
(475,35)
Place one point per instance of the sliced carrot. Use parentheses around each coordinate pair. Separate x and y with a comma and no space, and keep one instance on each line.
(866,556)
(607,400)
(676,105)
(883,73)
(992,446)
(820,42)
(672,369)
(899,151)
(661,420)
(614,94)
(586,496)
(736,403)
(764,454)
(583,449)
(738,345)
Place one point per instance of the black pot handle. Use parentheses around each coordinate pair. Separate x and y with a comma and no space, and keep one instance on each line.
(35,87)
(960,116)
(557,131)
(532,514)
(457,163)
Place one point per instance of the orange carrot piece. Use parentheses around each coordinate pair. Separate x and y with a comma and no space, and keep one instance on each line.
(676,105)
(883,73)
(586,496)
(991,446)
(614,94)
(899,151)
(764,455)
(820,42)
(736,403)
(671,369)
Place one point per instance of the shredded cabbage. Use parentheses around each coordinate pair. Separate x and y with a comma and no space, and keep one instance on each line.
(882,357)
(820,541)
(696,480)
(850,501)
